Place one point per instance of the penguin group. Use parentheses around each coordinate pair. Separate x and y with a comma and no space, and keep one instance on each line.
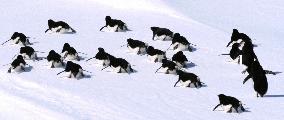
(241,52)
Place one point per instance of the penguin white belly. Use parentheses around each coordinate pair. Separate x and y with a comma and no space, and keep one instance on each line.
(185,83)
(110,29)
(71,57)
(79,74)
(16,40)
(32,57)
(18,68)
(63,30)
(55,64)
(133,50)
(162,37)
(117,69)
(143,50)
(156,58)
(180,65)
(23,44)
(152,58)
(166,71)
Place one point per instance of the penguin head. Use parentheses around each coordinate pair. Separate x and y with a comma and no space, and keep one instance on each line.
(108,18)
(154,28)
(101,49)
(20,57)
(129,40)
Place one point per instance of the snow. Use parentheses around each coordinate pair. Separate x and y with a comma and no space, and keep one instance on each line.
(40,94)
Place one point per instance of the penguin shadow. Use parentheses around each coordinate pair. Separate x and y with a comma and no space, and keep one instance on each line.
(190,65)
(118,31)
(86,76)
(81,58)
(167,39)
(128,30)
(28,69)
(32,43)
(274,96)
(68,33)
(203,85)
(246,109)
(191,85)
(125,29)
(57,67)
(255,45)
(134,71)
(193,49)
(275,73)
(130,72)
(61,32)
(39,58)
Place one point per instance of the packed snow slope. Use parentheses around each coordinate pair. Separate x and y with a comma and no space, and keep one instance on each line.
(39,94)
(260,18)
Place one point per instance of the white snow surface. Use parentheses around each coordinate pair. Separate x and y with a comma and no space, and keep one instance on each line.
(39,94)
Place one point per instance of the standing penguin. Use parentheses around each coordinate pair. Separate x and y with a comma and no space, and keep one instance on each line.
(238,37)
(258,76)
(247,54)
(235,53)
